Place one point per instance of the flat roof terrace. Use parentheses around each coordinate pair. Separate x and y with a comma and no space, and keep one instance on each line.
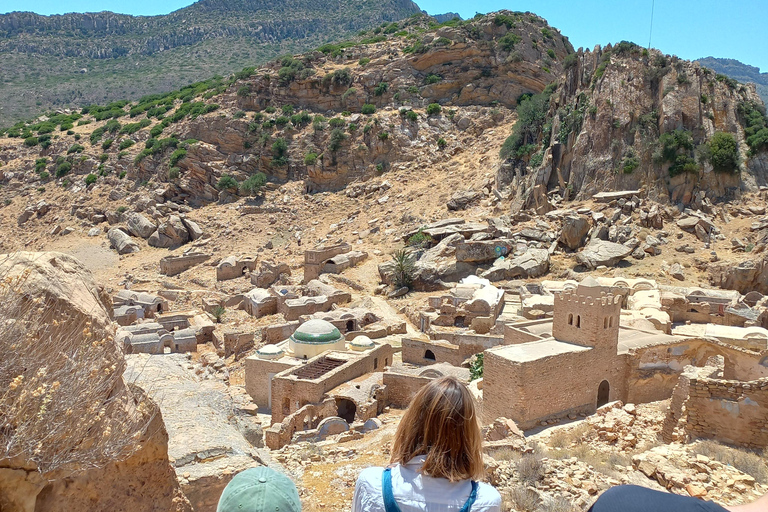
(535,350)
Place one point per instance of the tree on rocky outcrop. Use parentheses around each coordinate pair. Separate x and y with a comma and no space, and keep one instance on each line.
(403,268)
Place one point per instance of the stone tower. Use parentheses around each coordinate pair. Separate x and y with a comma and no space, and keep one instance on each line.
(587,316)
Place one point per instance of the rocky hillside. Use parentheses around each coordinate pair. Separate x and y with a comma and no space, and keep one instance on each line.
(419,94)
(79,59)
(624,118)
(348,112)
(739,71)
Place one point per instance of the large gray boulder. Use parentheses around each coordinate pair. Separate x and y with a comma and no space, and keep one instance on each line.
(532,263)
(435,268)
(462,200)
(479,251)
(140,226)
(575,229)
(122,241)
(601,252)
(171,233)
(194,229)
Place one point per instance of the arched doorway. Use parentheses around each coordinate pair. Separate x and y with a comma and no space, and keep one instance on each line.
(346,409)
(350,325)
(429,355)
(603,393)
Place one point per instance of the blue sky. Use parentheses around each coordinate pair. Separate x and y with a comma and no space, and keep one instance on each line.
(687,28)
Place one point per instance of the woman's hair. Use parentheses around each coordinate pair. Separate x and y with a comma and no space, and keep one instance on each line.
(442,424)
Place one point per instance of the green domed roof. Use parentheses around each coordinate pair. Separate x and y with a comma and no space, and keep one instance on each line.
(316,332)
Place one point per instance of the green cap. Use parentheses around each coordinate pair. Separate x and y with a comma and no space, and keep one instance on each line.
(260,490)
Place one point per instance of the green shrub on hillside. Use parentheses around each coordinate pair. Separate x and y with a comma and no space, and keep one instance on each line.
(509,40)
(432,78)
(336,139)
(91,179)
(368,109)
(724,152)
(280,152)
(253,184)
(226,182)
(433,109)
(531,114)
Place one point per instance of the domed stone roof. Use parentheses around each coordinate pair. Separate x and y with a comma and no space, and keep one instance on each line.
(361,343)
(316,332)
(270,352)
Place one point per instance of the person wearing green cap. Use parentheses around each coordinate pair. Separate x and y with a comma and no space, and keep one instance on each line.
(260,490)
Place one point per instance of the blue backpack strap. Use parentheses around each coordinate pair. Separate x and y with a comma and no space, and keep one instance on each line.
(390,505)
(471,499)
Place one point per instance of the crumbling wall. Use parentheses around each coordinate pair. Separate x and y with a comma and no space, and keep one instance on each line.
(734,412)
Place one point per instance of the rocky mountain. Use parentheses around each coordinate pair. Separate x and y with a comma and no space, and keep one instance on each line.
(79,59)
(420,93)
(739,71)
(624,118)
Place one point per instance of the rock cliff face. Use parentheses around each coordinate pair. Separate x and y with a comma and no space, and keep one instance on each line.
(606,121)
(481,65)
(74,436)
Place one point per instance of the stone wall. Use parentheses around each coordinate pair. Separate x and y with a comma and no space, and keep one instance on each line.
(172,265)
(733,412)
(307,417)
(401,388)
(549,388)
(314,259)
(258,378)
(653,371)
(415,351)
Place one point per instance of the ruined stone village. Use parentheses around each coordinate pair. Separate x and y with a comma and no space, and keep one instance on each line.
(615,332)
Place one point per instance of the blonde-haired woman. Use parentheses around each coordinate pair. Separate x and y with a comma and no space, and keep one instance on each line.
(436,458)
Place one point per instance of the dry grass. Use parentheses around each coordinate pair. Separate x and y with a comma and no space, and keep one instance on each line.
(530,468)
(63,403)
(566,437)
(524,499)
(558,504)
(742,459)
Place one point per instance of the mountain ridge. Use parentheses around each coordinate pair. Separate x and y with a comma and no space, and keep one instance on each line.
(79,58)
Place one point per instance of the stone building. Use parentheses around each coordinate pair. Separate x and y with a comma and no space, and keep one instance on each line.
(150,304)
(304,367)
(473,303)
(233,267)
(341,262)
(173,265)
(315,259)
(582,359)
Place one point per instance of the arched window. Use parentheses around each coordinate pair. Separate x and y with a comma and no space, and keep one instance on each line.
(578,321)
(605,323)
(375,362)
(610,322)
(429,355)
(570,318)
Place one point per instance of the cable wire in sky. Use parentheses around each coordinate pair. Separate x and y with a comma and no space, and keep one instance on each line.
(650,33)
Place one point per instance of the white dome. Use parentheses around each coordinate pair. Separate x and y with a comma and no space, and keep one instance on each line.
(361,343)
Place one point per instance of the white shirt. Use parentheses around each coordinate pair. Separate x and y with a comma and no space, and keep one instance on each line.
(415,492)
